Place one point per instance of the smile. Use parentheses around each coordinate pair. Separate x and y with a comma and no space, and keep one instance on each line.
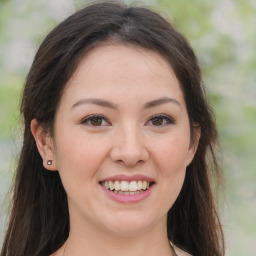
(127,187)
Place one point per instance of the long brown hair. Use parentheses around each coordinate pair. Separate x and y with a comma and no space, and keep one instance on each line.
(39,220)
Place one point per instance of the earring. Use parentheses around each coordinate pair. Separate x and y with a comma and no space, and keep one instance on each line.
(49,162)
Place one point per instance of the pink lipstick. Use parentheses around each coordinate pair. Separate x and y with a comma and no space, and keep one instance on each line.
(127,189)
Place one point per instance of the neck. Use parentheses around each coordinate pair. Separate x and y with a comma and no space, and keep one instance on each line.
(152,242)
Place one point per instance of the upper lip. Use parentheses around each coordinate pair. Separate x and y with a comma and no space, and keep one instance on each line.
(135,177)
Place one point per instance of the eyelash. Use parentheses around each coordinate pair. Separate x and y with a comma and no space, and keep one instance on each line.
(168,120)
(90,119)
(87,121)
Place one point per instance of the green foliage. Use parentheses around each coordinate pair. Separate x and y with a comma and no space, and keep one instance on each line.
(9,105)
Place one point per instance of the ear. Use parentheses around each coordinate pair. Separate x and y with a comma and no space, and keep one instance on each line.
(194,144)
(45,145)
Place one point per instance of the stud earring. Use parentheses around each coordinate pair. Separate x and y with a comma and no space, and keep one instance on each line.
(49,162)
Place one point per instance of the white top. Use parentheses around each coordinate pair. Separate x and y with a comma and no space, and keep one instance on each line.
(179,252)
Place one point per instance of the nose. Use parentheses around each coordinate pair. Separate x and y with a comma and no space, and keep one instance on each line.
(128,147)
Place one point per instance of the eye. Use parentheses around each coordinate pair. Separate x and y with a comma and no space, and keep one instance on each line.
(160,120)
(95,120)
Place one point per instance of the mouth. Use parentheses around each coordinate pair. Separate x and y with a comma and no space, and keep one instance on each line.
(124,187)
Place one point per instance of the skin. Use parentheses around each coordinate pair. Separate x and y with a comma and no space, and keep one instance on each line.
(128,140)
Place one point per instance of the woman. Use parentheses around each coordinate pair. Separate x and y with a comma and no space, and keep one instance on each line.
(118,143)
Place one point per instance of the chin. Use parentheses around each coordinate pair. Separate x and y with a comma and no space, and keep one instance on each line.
(129,224)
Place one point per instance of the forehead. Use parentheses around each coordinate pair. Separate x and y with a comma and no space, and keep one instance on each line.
(122,68)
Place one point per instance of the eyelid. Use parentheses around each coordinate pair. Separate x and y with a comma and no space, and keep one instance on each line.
(90,117)
(169,119)
(86,120)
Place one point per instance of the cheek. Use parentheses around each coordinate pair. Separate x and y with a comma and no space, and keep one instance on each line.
(170,157)
(79,158)
(171,154)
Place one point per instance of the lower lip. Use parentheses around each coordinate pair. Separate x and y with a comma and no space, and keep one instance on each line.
(128,198)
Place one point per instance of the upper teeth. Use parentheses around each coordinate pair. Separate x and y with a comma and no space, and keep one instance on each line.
(126,185)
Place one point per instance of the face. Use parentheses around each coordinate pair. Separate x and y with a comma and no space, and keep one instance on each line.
(122,140)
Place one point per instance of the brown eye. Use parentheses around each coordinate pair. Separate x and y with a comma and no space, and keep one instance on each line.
(157,121)
(160,120)
(95,120)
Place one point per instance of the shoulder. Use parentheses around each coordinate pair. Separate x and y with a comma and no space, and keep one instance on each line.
(179,252)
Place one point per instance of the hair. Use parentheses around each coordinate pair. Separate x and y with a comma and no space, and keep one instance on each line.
(39,219)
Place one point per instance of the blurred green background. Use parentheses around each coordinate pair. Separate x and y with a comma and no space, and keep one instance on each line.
(223,34)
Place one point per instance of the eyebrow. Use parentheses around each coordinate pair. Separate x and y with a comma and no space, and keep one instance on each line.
(161,101)
(99,102)
(104,103)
